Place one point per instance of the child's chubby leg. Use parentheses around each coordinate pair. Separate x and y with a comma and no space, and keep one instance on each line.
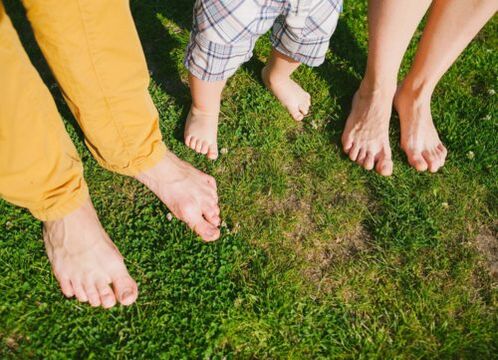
(201,128)
(276,76)
(222,39)
(301,37)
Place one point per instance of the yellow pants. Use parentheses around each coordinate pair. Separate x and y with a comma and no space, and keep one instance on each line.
(93,50)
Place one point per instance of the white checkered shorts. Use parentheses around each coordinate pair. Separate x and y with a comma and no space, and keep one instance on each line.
(225,31)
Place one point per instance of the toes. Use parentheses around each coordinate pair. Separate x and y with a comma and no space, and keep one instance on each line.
(432,160)
(347,143)
(79,291)
(417,161)
(204,147)
(212,153)
(297,115)
(66,287)
(206,230)
(125,289)
(92,293)
(353,153)
(107,298)
(384,167)
(192,143)
(361,156)
(369,162)
(198,145)
(442,152)
(188,138)
(304,109)
(192,213)
(212,215)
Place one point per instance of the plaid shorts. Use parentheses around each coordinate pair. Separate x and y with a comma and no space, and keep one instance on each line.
(225,31)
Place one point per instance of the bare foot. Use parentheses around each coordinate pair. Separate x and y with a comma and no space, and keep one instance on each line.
(187,192)
(289,93)
(86,262)
(201,132)
(366,135)
(419,137)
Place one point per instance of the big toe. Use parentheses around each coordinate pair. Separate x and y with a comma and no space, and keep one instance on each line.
(212,152)
(125,289)
(384,167)
(297,115)
(304,108)
(206,230)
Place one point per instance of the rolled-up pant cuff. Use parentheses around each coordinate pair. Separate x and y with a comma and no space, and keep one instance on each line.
(58,211)
(138,165)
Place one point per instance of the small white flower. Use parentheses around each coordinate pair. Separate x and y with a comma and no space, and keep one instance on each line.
(491,91)
(224,151)
(169,216)
(445,205)
(471,155)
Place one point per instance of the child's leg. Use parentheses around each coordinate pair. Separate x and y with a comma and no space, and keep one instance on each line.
(301,38)
(201,129)
(450,27)
(276,76)
(223,38)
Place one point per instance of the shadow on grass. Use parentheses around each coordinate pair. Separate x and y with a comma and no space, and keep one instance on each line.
(159,43)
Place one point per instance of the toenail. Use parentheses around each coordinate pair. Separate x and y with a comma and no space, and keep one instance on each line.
(126,294)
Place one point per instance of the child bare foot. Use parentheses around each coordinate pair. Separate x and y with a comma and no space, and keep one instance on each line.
(366,135)
(187,192)
(201,132)
(86,262)
(289,93)
(419,137)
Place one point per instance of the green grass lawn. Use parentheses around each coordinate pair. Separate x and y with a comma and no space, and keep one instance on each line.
(318,258)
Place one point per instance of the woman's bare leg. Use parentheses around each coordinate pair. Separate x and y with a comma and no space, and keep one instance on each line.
(450,28)
(391,26)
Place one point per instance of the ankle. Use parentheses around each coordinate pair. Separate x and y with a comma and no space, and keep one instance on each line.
(207,110)
(272,77)
(378,85)
(377,88)
(417,91)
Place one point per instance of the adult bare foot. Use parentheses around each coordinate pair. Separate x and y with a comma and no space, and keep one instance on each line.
(366,135)
(201,132)
(289,93)
(419,137)
(86,262)
(187,192)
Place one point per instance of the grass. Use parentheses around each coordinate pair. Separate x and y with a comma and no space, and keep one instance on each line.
(318,258)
